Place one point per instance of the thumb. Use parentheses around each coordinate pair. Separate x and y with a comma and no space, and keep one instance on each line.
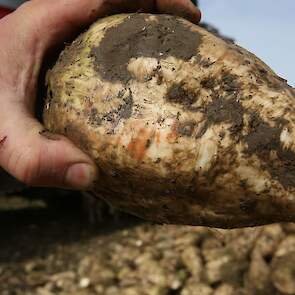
(39,158)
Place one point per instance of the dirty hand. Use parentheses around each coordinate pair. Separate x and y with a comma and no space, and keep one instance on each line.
(26,36)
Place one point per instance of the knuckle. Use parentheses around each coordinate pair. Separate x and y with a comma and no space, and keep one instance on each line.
(25,5)
(25,166)
(29,174)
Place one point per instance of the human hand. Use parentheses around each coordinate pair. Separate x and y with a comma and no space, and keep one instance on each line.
(26,36)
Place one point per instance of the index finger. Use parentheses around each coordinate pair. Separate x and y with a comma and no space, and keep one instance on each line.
(183,8)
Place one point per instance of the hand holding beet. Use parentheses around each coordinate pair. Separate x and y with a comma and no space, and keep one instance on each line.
(26,36)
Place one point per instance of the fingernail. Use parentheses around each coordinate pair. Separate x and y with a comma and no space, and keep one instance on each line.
(193,16)
(80,176)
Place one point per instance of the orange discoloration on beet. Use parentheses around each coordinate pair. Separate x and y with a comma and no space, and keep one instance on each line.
(138,145)
(173,135)
(88,103)
(117,141)
(157,138)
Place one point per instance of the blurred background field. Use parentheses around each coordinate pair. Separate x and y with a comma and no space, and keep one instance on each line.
(48,246)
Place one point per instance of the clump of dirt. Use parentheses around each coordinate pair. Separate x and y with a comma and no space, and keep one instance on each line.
(137,37)
(53,250)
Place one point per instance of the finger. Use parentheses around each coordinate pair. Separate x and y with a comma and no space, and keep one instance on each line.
(118,6)
(56,20)
(38,158)
(183,8)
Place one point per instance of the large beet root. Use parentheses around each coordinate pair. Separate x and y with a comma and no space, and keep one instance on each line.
(184,127)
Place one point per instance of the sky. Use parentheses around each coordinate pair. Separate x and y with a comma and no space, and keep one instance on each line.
(264,27)
(11,3)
